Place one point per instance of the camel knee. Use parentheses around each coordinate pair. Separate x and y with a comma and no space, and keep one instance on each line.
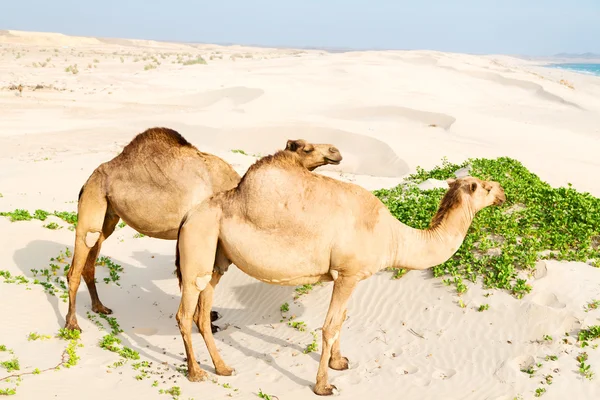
(91,238)
(202,281)
(330,336)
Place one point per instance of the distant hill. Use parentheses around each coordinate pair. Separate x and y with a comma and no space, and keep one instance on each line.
(574,55)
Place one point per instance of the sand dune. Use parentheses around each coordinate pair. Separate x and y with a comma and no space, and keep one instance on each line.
(405,337)
(535,88)
(427,118)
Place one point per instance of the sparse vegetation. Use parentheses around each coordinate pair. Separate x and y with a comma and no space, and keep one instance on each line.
(238,151)
(194,61)
(566,83)
(72,69)
(11,365)
(483,307)
(264,395)
(592,305)
(584,369)
(312,346)
(302,290)
(298,325)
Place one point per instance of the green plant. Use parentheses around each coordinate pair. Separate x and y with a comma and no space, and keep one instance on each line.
(17,215)
(592,305)
(591,333)
(69,334)
(113,343)
(397,273)
(312,346)
(174,391)
(483,307)
(551,358)
(298,325)
(539,392)
(36,336)
(113,269)
(238,151)
(285,307)
(536,222)
(11,365)
(8,392)
(548,338)
(584,369)
(52,225)
(304,289)
(264,395)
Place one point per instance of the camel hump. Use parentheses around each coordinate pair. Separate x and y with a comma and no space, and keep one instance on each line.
(158,136)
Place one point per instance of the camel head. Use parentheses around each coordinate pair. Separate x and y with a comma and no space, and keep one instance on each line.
(479,194)
(314,155)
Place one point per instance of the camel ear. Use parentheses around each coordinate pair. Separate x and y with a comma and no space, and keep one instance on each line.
(292,145)
(473,186)
(450,181)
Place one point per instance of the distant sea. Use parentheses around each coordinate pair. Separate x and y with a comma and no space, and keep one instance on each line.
(590,69)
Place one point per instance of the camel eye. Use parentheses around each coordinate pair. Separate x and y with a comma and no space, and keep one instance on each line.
(308,150)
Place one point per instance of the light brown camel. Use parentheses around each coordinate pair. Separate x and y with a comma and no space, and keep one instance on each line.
(285,225)
(151,184)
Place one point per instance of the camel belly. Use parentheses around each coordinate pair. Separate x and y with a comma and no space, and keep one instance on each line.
(156,213)
(274,257)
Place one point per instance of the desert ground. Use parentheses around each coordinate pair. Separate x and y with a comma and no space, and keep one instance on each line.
(68,104)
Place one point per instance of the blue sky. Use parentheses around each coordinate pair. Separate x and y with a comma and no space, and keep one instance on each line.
(533,27)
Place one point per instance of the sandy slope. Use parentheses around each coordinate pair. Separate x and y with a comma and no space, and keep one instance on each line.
(388,112)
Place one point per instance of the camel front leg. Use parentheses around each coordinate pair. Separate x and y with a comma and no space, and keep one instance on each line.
(342,289)
(338,362)
(205,305)
(89,270)
(189,300)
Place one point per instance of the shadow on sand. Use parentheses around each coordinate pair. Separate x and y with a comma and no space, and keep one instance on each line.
(135,304)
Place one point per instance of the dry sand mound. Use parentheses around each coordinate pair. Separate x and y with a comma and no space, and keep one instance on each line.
(45,39)
(393,113)
(237,95)
(532,87)
(362,154)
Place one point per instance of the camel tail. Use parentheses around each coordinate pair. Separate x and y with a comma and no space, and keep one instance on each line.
(177,256)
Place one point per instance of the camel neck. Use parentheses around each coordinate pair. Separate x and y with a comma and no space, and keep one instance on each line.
(421,249)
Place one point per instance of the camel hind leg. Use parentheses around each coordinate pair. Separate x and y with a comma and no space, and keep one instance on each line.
(91,212)
(196,249)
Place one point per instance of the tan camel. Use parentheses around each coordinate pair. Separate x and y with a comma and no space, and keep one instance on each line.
(287,226)
(155,180)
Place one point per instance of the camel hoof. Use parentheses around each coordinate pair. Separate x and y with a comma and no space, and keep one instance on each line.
(73,326)
(197,375)
(101,309)
(214,328)
(328,390)
(225,371)
(214,315)
(339,364)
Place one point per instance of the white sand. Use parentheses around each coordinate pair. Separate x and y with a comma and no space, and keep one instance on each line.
(388,112)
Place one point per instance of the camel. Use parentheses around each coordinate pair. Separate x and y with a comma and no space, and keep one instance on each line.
(151,184)
(287,226)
